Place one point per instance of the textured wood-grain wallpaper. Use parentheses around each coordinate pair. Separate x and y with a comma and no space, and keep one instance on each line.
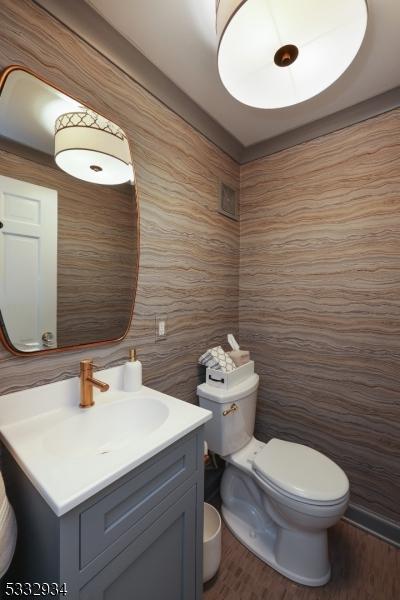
(320,300)
(189,253)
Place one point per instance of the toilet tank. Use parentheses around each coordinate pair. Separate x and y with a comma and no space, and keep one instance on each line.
(234,412)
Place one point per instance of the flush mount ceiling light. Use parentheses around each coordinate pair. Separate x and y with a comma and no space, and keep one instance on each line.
(92,148)
(275,53)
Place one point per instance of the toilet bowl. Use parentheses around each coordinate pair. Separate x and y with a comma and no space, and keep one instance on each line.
(278,498)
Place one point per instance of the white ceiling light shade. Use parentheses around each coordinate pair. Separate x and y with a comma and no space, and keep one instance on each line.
(90,147)
(276,53)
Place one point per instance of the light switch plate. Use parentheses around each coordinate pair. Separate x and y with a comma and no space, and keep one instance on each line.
(161,327)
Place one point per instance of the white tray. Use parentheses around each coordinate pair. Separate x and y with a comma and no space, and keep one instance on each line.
(226,381)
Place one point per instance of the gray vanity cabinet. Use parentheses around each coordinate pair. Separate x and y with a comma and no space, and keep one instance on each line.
(161,564)
(138,539)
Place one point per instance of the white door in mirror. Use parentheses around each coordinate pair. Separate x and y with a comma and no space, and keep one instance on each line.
(28,263)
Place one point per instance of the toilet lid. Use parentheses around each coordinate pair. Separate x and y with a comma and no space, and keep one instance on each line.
(301,471)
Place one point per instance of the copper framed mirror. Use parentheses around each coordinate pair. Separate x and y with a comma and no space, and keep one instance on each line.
(69,236)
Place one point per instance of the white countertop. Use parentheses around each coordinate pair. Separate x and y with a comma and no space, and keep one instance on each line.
(69,453)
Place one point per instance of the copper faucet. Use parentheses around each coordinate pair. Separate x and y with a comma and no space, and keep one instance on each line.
(87,383)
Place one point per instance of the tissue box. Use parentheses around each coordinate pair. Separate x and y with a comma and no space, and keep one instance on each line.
(226,381)
(240,357)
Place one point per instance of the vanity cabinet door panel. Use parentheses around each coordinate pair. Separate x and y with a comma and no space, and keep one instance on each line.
(113,515)
(159,565)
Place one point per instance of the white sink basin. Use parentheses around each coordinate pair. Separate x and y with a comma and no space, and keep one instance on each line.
(70,453)
(105,428)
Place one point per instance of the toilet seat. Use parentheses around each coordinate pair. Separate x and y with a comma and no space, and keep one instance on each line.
(312,507)
(301,473)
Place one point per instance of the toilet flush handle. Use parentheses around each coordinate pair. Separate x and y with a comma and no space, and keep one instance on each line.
(234,407)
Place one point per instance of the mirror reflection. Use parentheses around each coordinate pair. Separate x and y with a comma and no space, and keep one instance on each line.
(68,220)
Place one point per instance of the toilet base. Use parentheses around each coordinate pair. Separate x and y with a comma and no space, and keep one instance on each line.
(267,544)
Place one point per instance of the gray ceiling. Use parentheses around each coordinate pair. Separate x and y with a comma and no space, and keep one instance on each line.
(178,36)
(169,47)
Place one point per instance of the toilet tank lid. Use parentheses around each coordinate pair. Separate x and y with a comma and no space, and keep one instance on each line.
(301,471)
(239,391)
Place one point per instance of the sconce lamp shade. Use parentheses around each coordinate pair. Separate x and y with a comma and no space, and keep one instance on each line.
(275,53)
(90,147)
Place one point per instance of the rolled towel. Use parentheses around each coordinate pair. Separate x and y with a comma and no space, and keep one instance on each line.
(8,530)
(209,361)
(216,358)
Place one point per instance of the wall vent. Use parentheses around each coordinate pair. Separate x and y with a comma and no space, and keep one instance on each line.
(228,202)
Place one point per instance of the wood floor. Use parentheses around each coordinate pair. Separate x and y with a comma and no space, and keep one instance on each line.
(364,568)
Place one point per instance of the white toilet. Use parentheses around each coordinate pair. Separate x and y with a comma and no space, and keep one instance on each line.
(278,498)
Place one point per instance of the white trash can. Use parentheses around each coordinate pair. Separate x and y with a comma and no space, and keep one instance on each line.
(211,542)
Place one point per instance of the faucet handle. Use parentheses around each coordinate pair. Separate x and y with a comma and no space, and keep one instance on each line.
(88,362)
(86,367)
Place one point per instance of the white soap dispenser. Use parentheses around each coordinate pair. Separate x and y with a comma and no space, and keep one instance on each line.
(132,373)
